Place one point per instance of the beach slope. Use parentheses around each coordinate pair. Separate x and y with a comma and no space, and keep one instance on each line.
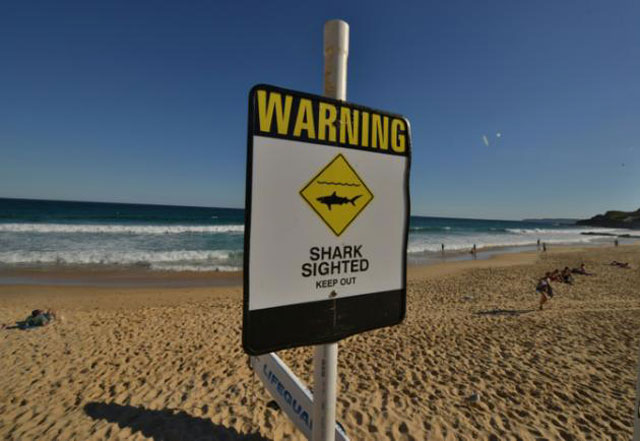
(473,360)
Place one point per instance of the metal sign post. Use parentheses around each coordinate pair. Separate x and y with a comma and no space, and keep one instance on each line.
(325,357)
(636,409)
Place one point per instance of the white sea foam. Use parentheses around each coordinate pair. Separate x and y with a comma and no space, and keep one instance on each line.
(417,247)
(193,268)
(564,231)
(513,237)
(109,257)
(208,247)
(119,228)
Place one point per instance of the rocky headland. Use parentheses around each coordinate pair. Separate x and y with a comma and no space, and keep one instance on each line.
(614,219)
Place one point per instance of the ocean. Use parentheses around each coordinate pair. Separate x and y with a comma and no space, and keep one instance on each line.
(39,233)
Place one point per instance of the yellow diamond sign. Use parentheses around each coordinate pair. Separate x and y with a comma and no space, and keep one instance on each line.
(337,194)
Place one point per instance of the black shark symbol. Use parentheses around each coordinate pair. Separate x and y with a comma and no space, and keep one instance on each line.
(334,199)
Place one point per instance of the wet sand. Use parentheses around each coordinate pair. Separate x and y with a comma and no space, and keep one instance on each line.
(150,363)
(126,277)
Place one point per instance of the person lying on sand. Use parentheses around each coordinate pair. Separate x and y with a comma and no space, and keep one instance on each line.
(566,275)
(620,264)
(38,317)
(582,270)
(555,275)
(544,289)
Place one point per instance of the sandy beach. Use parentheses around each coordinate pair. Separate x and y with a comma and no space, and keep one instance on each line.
(151,363)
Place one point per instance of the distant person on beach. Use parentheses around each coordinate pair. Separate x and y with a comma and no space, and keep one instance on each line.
(544,289)
(538,245)
(37,318)
(443,249)
(582,270)
(620,264)
(616,243)
(555,275)
(566,275)
(474,251)
(544,247)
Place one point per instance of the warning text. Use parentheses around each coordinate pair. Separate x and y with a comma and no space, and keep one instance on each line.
(336,260)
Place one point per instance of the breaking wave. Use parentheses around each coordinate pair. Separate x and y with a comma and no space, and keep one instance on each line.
(220,260)
(118,228)
(508,237)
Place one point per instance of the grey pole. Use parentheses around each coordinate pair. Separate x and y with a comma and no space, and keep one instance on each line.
(325,357)
(636,409)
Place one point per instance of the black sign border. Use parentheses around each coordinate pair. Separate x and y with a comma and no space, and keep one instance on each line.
(284,335)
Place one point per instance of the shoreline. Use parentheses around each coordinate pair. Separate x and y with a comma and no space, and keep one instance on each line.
(124,277)
(116,277)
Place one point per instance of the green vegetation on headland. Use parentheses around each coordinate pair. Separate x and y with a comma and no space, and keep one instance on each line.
(614,219)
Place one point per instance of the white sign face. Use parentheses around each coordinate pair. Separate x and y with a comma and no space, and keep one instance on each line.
(326,220)
(312,262)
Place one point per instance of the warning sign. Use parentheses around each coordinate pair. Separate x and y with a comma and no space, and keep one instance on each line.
(326,220)
(337,194)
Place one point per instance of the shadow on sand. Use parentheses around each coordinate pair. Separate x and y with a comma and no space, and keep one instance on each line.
(505,312)
(166,425)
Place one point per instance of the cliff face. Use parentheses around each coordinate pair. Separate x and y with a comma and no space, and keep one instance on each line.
(614,219)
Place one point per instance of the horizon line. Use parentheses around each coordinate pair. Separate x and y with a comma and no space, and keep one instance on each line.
(242,208)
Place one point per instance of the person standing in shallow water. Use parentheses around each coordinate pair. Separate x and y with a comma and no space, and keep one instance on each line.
(538,245)
(443,249)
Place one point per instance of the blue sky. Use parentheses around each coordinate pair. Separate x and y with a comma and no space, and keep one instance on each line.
(147,101)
